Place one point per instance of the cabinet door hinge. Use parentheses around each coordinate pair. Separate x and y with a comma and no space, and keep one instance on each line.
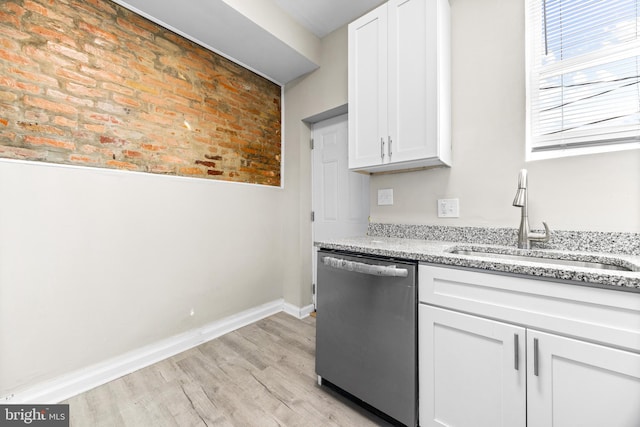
(313,289)
(311,142)
(313,216)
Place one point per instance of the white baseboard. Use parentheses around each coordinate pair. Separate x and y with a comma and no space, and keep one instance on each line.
(299,312)
(77,382)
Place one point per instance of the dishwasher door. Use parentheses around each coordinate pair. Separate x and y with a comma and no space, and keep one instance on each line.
(366,331)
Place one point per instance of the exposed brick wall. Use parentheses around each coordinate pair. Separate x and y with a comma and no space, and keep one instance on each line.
(88,82)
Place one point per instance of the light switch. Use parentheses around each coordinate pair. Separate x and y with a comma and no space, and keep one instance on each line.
(449,208)
(385,196)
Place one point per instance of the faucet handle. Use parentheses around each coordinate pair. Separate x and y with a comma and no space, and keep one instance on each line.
(544,237)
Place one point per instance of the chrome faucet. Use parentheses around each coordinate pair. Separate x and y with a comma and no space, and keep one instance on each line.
(525,236)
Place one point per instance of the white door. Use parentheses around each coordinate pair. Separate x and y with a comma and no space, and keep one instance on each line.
(340,197)
(581,384)
(472,371)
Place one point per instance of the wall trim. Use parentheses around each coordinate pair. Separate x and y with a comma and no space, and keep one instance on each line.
(299,312)
(74,383)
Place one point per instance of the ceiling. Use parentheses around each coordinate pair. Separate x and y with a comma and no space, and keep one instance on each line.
(217,26)
(322,17)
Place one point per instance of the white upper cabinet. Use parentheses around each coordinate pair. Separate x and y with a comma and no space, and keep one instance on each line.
(399,84)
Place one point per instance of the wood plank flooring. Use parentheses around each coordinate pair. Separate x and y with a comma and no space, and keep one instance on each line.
(260,375)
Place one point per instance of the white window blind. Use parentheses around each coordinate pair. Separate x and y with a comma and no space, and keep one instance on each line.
(583,68)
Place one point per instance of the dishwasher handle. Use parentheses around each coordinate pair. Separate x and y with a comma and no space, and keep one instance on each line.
(361,267)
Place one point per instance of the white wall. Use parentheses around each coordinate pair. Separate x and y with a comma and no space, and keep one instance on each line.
(95,263)
(596,192)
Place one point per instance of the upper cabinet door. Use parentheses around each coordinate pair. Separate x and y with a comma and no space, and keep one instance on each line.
(399,109)
(412,89)
(368,85)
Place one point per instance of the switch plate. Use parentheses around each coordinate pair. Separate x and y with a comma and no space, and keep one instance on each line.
(385,196)
(448,208)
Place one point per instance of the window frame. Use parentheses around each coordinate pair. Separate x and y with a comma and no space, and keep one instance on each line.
(538,151)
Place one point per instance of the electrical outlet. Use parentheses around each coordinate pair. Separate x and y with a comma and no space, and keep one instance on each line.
(385,196)
(448,208)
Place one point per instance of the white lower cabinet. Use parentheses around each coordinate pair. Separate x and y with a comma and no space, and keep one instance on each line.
(581,384)
(504,351)
(472,370)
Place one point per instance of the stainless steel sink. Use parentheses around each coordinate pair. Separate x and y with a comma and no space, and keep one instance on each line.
(545,260)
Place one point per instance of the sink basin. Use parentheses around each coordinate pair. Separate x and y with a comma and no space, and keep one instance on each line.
(546,260)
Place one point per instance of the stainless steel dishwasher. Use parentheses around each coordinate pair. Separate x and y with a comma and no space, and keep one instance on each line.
(366,331)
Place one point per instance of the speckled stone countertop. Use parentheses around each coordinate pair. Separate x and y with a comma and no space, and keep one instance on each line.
(439,252)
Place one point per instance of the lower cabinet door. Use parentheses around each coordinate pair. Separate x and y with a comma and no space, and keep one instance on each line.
(472,371)
(574,383)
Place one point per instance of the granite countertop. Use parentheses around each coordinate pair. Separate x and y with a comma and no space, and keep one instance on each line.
(439,252)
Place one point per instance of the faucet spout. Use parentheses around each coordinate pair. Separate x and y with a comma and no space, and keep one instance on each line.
(525,236)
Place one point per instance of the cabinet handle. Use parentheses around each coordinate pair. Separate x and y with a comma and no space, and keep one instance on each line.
(390,142)
(516,352)
(382,148)
(535,357)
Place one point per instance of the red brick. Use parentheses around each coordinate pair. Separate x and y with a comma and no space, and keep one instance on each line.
(81,90)
(39,78)
(109,107)
(135,29)
(15,8)
(118,88)
(143,87)
(111,140)
(35,7)
(127,101)
(13,33)
(14,58)
(34,127)
(39,140)
(21,153)
(77,158)
(131,153)
(172,159)
(119,58)
(103,75)
(97,150)
(99,4)
(92,115)
(46,57)
(56,94)
(152,147)
(51,34)
(67,51)
(146,69)
(63,121)
(191,171)
(92,29)
(122,165)
(95,128)
(76,77)
(36,116)
(11,19)
(50,105)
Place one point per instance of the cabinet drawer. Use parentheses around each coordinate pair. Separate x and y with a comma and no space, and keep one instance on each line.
(605,316)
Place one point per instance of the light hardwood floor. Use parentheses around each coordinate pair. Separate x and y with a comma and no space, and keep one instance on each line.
(260,375)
